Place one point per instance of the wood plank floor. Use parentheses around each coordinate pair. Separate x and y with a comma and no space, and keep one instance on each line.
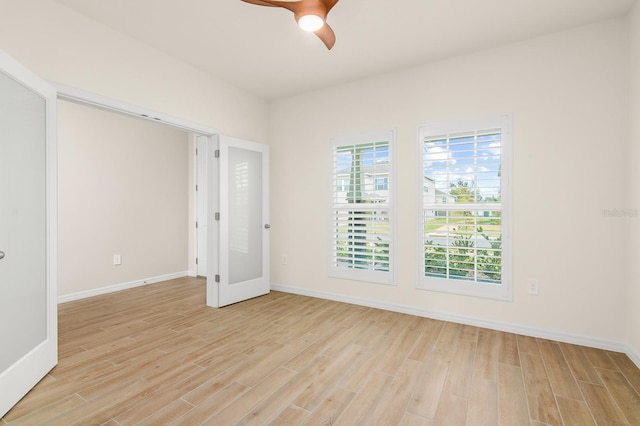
(157,355)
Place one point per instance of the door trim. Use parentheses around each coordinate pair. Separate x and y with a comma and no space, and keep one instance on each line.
(83,97)
(203,147)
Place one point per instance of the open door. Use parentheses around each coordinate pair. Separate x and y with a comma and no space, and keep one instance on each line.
(243,233)
(28,309)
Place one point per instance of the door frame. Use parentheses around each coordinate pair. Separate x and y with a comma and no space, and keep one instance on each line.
(83,97)
(202,148)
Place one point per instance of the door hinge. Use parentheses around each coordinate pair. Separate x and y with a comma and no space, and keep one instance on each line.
(217,278)
(196,188)
(217,153)
(196,260)
(196,225)
(217,216)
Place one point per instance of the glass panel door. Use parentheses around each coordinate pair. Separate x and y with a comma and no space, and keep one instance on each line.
(245,215)
(28,314)
(22,220)
(244,224)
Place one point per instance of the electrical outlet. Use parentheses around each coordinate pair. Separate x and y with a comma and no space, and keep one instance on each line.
(285,260)
(533,287)
(117,259)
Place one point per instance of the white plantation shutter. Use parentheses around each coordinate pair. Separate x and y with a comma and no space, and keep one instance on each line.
(465,214)
(361,238)
(361,214)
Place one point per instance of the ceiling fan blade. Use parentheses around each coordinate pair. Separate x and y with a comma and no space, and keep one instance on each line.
(290,5)
(259,3)
(327,35)
(328,4)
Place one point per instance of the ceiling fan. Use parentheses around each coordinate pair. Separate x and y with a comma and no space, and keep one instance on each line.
(311,15)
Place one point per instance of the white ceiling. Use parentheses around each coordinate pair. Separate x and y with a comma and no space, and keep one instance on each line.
(261,49)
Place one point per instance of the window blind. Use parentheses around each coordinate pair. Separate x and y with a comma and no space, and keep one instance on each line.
(462,207)
(361,207)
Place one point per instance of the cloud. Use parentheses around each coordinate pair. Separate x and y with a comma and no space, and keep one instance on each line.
(439,155)
(492,152)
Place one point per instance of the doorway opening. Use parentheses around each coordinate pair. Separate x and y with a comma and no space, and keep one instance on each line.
(145,195)
(236,177)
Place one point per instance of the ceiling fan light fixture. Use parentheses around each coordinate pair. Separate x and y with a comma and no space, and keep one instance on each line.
(310,15)
(311,22)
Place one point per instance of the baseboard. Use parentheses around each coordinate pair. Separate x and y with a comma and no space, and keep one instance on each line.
(633,355)
(575,339)
(118,287)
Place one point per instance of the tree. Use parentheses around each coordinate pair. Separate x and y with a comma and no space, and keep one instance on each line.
(465,192)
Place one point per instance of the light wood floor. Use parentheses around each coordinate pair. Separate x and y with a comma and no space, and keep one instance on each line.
(156,355)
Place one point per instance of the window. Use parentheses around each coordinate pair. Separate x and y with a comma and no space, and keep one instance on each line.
(382,184)
(342,185)
(362,221)
(465,227)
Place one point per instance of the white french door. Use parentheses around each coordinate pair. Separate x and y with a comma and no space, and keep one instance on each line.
(28,310)
(243,172)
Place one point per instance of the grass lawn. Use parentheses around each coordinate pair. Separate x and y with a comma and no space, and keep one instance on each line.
(489,224)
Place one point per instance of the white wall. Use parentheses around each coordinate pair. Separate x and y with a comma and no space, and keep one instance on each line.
(123,189)
(65,47)
(633,232)
(567,93)
(568,96)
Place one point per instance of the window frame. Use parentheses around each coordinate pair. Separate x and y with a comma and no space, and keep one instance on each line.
(504,290)
(367,275)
